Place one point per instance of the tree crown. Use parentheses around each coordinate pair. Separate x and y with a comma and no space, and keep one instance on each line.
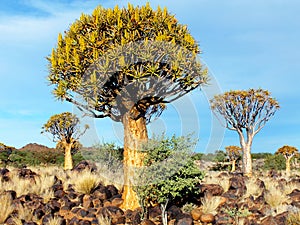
(245,109)
(287,151)
(120,59)
(64,127)
(233,152)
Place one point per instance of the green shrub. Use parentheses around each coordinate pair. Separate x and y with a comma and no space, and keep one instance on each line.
(275,162)
(170,174)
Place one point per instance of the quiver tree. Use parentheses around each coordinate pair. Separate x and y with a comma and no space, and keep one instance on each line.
(288,152)
(245,112)
(234,153)
(126,64)
(65,130)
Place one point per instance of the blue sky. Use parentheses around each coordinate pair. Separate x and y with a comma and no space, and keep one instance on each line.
(245,44)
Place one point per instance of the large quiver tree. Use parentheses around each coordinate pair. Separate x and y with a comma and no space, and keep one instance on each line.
(245,112)
(126,64)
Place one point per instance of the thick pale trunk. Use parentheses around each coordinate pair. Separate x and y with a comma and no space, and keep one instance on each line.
(135,134)
(288,166)
(68,165)
(247,161)
(246,158)
(233,165)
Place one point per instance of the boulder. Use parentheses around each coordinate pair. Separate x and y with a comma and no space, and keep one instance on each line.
(85,165)
(213,189)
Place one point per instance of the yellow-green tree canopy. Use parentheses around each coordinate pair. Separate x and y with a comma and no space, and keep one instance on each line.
(245,109)
(233,152)
(64,127)
(287,151)
(117,59)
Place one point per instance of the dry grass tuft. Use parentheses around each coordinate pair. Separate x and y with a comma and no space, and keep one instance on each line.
(213,179)
(104,220)
(6,207)
(274,197)
(293,218)
(54,221)
(252,188)
(287,189)
(86,182)
(210,204)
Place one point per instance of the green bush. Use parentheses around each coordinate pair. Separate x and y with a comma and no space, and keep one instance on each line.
(261,155)
(275,162)
(24,158)
(170,174)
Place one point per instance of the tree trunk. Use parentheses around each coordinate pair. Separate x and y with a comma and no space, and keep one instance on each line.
(68,156)
(288,166)
(135,134)
(233,165)
(246,158)
(247,161)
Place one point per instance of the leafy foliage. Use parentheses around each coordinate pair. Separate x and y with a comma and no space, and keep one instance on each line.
(249,109)
(64,127)
(287,151)
(132,47)
(169,173)
(275,162)
(233,152)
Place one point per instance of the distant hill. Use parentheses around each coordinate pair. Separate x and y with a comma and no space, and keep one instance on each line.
(34,147)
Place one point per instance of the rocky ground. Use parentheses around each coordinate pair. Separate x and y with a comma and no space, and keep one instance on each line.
(225,198)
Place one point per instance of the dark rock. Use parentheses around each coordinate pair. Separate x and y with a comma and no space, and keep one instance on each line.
(155,212)
(26,173)
(147,222)
(85,165)
(57,187)
(59,194)
(12,194)
(281,218)
(87,201)
(133,217)
(4,173)
(74,221)
(223,219)
(29,223)
(39,213)
(47,218)
(117,202)
(237,186)
(116,214)
(82,213)
(84,222)
(295,195)
(213,189)
(174,211)
(184,219)
(113,190)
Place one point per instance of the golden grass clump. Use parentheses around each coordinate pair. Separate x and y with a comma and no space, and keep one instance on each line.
(86,182)
(104,220)
(6,207)
(213,179)
(210,204)
(293,218)
(274,197)
(252,188)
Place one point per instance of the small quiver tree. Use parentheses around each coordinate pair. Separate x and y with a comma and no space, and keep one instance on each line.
(288,152)
(234,153)
(245,112)
(65,130)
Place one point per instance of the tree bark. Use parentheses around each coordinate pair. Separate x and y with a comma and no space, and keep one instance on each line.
(68,165)
(246,149)
(135,134)
(233,165)
(288,166)
(247,161)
